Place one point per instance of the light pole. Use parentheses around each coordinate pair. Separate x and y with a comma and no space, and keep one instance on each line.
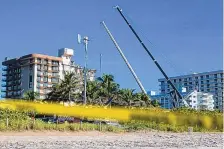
(85,42)
(100,65)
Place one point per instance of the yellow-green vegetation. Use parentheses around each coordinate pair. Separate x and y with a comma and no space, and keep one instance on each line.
(130,118)
(11,120)
(181,118)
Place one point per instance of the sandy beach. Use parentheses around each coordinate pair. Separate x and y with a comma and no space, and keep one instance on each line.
(95,139)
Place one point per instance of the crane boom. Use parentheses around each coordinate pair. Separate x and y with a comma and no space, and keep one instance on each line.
(125,59)
(175,93)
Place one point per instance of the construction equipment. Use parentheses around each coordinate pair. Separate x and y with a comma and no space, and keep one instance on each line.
(177,99)
(125,59)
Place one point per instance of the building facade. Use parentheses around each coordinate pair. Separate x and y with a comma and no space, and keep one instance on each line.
(200,101)
(195,100)
(207,82)
(38,72)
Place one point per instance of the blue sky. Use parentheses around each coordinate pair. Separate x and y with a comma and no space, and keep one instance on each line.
(186,35)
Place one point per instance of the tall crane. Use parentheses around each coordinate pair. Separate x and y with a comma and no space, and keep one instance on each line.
(177,99)
(125,59)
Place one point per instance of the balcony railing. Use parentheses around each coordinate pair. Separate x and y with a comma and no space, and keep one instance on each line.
(54,64)
(4,74)
(4,79)
(4,84)
(39,73)
(4,68)
(3,89)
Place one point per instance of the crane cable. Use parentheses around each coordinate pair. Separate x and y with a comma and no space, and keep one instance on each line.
(154,46)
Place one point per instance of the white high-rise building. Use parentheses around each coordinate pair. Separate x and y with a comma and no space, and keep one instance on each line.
(200,101)
(38,72)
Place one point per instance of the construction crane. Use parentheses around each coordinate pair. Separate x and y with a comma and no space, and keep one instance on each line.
(177,99)
(124,58)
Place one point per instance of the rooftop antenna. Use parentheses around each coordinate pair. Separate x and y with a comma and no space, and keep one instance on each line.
(84,41)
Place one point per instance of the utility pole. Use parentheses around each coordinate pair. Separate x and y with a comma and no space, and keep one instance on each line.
(85,42)
(100,65)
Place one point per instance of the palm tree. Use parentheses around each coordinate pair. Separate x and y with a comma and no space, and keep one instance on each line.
(155,103)
(108,88)
(93,92)
(66,88)
(30,95)
(128,96)
(55,94)
(144,99)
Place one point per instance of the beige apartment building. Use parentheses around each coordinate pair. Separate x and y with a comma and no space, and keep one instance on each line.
(38,72)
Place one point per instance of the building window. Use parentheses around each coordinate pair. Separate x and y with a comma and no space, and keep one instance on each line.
(45,67)
(196,78)
(30,81)
(208,90)
(38,66)
(180,80)
(54,80)
(174,80)
(55,63)
(55,68)
(45,61)
(45,79)
(39,60)
(207,76)
(202,82)
(201,77)
(38,79)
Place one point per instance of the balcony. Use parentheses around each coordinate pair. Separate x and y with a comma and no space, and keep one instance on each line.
(3,90)
(40,68)
(39,73)
(54,81)
(3,96)
(55,76)
(54,63)
(4,84)
(4,79)
(45,62)
(55,70)
(4,74)
(4,68)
